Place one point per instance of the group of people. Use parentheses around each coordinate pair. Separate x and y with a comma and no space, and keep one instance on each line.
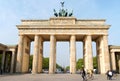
(88,74)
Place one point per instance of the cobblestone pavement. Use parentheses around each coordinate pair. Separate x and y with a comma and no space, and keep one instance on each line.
(52,77)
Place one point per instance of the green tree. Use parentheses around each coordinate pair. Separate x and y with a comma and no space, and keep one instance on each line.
(79,64)
(45,63)
(59,67)
(68,68)
(31,59)
(95,62)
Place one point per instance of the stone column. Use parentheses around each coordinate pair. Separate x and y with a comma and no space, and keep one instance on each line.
(55,56)
(40,60)
(52,59)
(98,54)
(104,54)
(20,54)
(119,62)
(88,56)
(36,55)
(12,62)
(73,54)
(113,61)
(3,61)
(26,54)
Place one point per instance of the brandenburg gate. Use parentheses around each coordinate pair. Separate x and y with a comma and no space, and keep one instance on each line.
(63,29)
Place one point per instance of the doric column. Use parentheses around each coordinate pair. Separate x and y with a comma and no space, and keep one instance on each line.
(26,55)
(6,62)
(113,61)
(55,56)
(40,58)
(12,62)
(20,54)
(3,61)
(73,54)
(98,55)
(36,55)
(119,62)
(104,54)
(52,59)
(88,56)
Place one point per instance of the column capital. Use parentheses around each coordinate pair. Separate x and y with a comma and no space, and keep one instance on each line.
(73,35)
(85,37)
(41,38)
(52,34)
(36,35)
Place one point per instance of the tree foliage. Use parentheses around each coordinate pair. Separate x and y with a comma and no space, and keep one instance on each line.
(45,63)
(95,62)
(80,63)
(68,68)
(31,59)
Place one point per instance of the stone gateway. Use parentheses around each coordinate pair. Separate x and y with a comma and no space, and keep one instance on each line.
(62,29)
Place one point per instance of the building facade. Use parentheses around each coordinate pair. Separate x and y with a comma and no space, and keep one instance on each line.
(8,56)
(16,58)
(115,58)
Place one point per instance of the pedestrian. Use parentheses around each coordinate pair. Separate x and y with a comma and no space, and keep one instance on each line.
(107,75)
(83,73)
(110,75)
(91,74)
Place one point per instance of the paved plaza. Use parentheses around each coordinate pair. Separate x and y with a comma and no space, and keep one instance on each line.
(52,77)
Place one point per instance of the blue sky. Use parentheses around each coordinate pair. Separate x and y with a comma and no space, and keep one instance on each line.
(12,11)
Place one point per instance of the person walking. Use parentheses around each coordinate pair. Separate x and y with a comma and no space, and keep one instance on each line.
(83,73)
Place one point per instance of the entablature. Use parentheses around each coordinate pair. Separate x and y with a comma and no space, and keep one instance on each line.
(65,26)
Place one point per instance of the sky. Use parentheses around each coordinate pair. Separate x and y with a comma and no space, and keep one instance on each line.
(13,11)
